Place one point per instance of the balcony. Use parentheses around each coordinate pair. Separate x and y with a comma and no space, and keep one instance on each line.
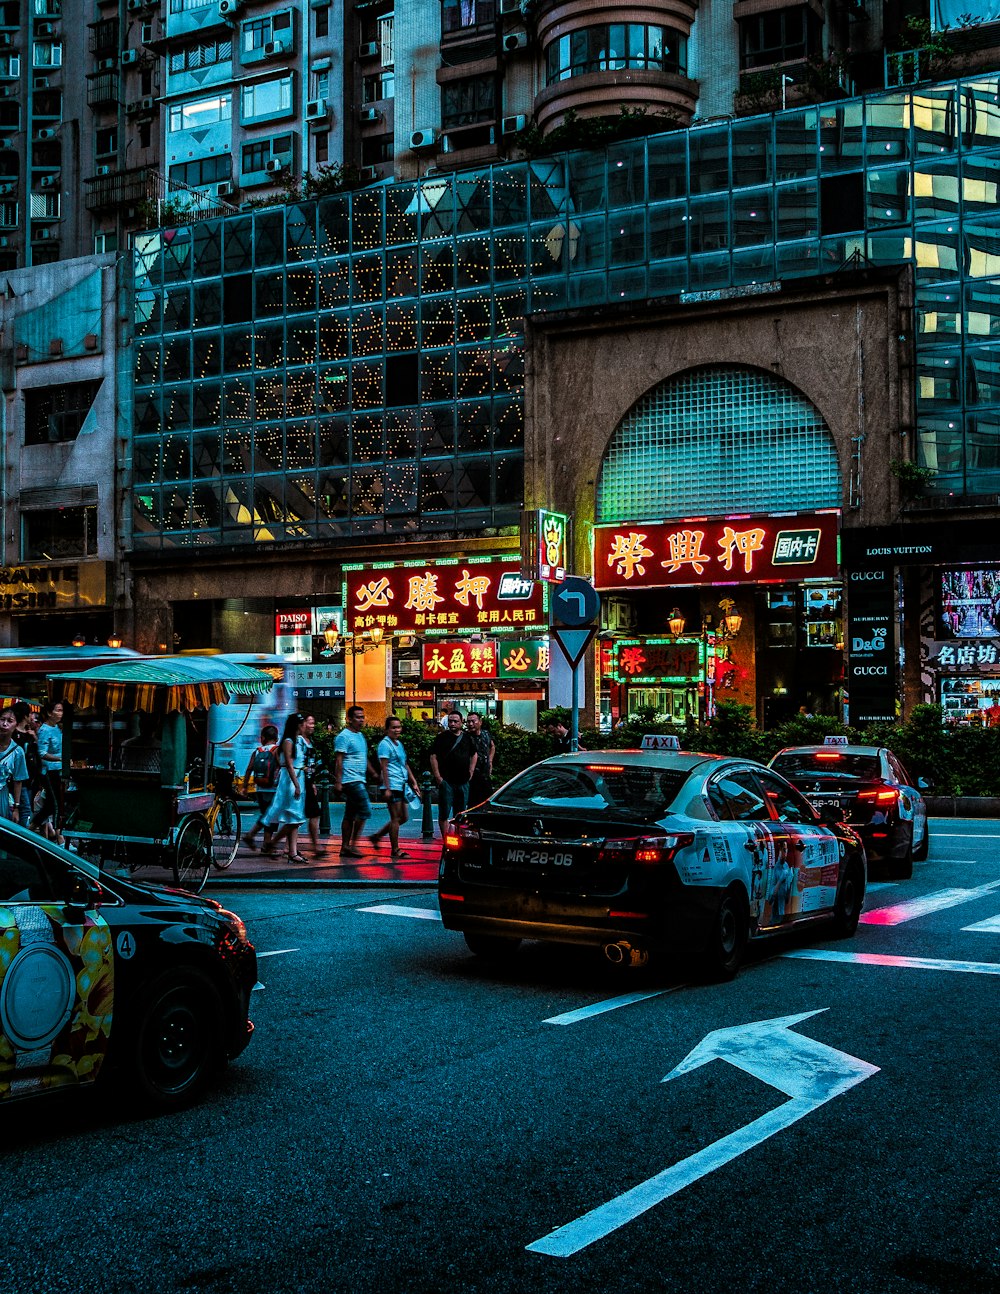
(104,38)
(121,189)
(103,90)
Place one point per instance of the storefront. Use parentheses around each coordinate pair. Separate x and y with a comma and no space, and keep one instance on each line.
(746,609)
(57,603)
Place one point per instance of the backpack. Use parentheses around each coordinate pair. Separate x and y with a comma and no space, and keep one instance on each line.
(265,767)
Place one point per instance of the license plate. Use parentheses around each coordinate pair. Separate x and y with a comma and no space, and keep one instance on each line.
(826,800)
(525,856)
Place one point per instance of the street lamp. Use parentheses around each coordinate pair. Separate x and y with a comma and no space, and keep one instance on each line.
(732,621)
(79,640)
(115,641)
(332,635)
(785,81)
(675,622)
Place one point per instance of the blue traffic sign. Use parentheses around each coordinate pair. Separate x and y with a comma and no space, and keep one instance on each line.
(575,602)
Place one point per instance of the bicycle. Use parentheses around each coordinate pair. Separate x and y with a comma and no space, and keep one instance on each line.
(224,818)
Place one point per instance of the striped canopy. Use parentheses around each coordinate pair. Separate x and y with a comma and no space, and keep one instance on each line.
(7,701)
(159,684)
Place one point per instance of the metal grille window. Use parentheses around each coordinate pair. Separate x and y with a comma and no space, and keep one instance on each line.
(715,441)
(56,413)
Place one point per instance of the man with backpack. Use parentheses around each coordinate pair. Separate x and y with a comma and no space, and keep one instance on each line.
(263,768)
(24,737)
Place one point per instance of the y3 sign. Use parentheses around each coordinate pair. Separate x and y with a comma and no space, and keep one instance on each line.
(726,550)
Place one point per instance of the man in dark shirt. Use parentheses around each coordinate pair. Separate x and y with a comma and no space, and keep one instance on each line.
(28,742)
(453,761)
(481,782)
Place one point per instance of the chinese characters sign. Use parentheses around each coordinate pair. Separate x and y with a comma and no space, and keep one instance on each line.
(520,658)
(731,550)
(467,596)
(650,660)
(448,659)
(544,544)
(978,652)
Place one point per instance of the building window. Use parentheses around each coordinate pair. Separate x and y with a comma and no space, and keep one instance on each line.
(8,215)
(266,99)
(262,31)
(200,112)
(105,240)
(322,23)
(613,47)
(206,170)
(205,54)
(376,150)
(182,6)
(10,66)
(56,413)
(470,100)
(322,146)
(44,206)
(255,156)
(782,36)
(145,134)
(378,87)
(457,14)
(48,53)
(106,142)
(56,534)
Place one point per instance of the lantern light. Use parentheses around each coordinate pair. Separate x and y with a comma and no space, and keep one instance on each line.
(376,634)
(332,635)
(675,622)
(115,641)
(79,640)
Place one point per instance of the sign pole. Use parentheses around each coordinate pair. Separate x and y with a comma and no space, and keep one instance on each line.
(574,719)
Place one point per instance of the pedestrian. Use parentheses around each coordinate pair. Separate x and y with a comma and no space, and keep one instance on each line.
(312,799)
(24,735)
(263,768)
(13,768)
(481,782)
(453,761)
(560,734)
(350,775)
(397,775)
(47,805)
(287,812)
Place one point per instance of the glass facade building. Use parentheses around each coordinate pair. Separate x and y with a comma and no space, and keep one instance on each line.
(354,366)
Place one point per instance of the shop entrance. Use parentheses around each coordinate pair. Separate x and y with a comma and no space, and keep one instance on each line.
(668,704)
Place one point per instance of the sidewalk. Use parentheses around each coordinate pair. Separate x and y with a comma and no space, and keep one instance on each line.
(252,868)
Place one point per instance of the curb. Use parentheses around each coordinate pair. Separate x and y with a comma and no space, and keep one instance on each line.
(962,806)
(320,883)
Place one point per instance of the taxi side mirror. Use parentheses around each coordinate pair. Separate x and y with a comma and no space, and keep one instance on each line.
(82,892)
(923,784)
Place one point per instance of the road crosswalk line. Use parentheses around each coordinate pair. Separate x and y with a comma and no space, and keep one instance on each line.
(399,910)
(934,902)
(893,961)
(990,926)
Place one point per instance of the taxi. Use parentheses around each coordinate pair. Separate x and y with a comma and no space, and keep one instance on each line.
(639,852)
(869,787)
(101,978)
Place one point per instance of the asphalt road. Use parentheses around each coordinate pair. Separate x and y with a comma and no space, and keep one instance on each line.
(408,1120)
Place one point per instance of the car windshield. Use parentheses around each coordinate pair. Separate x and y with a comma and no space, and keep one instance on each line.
(828,763)
(629,792)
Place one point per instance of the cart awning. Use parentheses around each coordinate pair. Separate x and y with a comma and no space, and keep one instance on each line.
(159,684)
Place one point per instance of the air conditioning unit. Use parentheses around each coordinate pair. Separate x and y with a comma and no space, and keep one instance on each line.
(6,39)
(40,82)
(44,29)
(408,668)
(229,8)
(48,181)
(273,165)
(105,65)
(316,109)
(368,174)
(7,91)
(514,41)
(132,108)
(6,143)
(133,6)
(510,6)
(45,134)
(148,104)
(129,56)
(368,50)
(103,170)
(426,138)
(513,125)
(370,115)
(275,47)
(4,240)
(44,234)
(225,190)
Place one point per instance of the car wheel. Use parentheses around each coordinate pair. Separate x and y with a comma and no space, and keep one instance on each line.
(850,897)
(494,948)
(924,848)
(174,1043)
(727,939)
(901,869)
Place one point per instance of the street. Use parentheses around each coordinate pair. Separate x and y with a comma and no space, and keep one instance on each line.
(408,1119)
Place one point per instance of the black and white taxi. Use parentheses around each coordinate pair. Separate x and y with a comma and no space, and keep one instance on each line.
(869,787)
(102,978)
(643,851)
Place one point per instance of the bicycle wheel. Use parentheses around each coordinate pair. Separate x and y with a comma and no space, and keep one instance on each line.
(192,853)
(225,834)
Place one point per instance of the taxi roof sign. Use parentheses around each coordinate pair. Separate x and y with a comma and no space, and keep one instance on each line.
(660,741)
(836,741)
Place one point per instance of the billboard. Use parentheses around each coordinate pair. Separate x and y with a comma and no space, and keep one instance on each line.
(452,597)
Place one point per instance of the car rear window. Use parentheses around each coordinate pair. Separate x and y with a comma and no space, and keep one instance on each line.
(863,768)
(627,792)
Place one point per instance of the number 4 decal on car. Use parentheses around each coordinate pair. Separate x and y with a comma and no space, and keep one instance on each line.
(125,945)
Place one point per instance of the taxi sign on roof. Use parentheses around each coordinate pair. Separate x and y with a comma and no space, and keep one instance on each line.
(835,741)
(660,741)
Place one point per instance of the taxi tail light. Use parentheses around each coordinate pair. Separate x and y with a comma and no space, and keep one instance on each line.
(648,850)
(461,835)
(879,797)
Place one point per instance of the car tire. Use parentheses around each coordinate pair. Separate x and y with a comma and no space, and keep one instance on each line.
(493,948)
(901,869)
(850,897)
(924,848)
(727,939)
(174,1040)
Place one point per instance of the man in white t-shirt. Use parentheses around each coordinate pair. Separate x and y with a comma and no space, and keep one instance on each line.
(397,775)
(350,775)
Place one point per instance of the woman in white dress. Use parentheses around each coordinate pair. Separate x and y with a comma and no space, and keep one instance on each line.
(288,812)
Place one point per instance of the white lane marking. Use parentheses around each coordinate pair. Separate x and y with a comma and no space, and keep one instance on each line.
(398,910)
(935,902)
(990,926)
(807,1071)
(891,960)
(609,1004)
(278,952)
(964,835)
(872,887)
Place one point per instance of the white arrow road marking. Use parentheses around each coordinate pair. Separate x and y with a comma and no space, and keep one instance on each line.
(807,1071)
(609,1004)
(889,959)
(936,902)
(990,926)
(278,952)
(398,910)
